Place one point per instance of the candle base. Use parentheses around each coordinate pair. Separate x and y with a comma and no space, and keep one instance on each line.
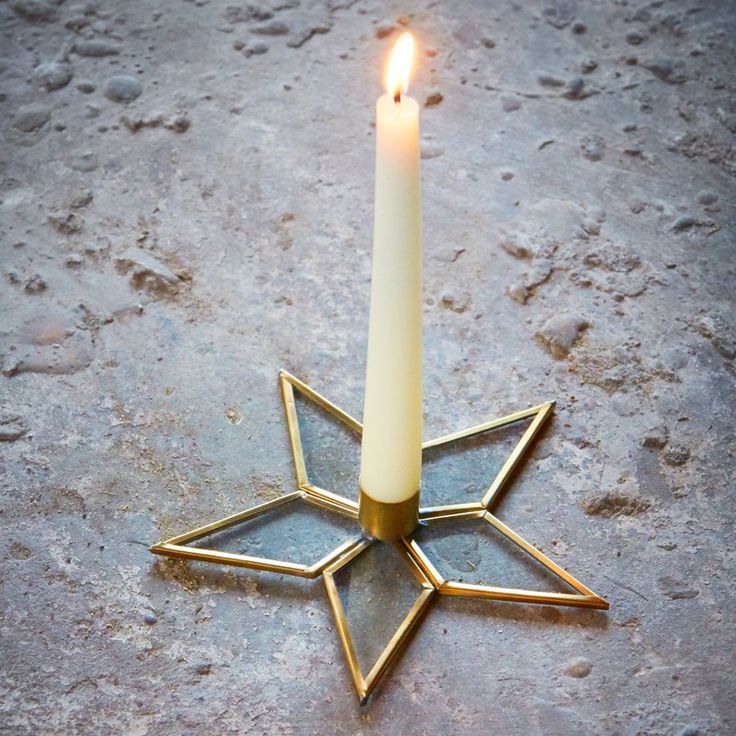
(388,522)
(392,522)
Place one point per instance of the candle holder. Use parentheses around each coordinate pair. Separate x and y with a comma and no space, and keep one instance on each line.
(428,580)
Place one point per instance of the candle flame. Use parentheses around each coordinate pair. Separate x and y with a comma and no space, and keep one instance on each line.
(399,66)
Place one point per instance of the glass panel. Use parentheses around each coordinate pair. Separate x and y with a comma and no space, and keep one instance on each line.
(377,589)
(295,532)
(473,551)
(331,448)
(462,471)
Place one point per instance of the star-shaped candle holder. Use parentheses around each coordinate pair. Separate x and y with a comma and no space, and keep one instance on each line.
(422,581)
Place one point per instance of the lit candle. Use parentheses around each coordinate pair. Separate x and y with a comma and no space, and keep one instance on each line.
(391,453)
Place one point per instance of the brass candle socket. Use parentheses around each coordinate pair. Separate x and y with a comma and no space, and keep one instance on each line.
(388,522)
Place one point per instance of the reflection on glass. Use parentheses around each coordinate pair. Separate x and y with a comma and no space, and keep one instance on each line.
(459,472)
(295,532)
(462,471)
(331,449)
(377,589)
(472,551)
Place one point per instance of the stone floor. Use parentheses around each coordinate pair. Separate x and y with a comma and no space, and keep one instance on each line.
(186,208)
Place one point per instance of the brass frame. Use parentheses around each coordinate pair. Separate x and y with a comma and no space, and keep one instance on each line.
(431,582)
(365,684)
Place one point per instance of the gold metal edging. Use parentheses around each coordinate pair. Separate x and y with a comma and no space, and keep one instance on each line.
(543,413)
(176,546)
(366,684)
(486,426)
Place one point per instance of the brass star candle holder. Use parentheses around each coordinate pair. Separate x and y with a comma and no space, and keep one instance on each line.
(428,580)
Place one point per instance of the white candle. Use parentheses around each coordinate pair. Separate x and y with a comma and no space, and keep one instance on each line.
(391,453)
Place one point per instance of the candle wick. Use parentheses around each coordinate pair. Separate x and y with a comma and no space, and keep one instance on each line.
(397,96)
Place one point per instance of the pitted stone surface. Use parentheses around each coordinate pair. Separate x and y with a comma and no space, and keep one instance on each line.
(577,160)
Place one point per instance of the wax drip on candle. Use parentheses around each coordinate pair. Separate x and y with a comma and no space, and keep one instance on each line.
(399,66)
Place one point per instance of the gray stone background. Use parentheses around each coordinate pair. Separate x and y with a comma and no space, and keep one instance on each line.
(186,208)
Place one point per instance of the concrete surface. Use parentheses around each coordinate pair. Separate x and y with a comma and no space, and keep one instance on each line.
(186,208)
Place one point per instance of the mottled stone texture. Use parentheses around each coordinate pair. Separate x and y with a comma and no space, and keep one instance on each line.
(579,210)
